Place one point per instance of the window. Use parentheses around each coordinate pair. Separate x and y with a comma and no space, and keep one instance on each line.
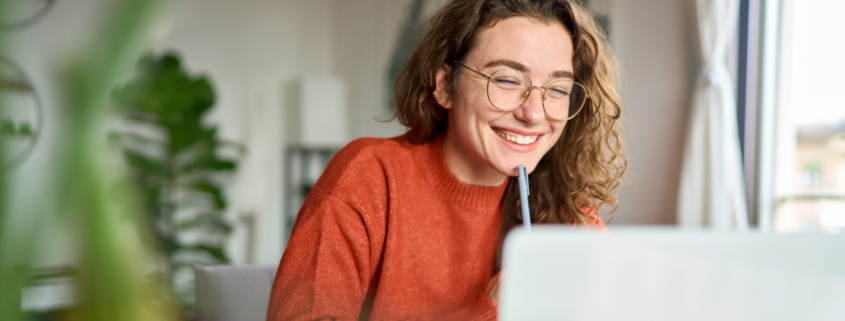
(809,135)
(812,176)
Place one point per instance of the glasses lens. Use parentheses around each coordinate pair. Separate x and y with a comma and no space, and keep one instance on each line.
(564,99)
(507,89)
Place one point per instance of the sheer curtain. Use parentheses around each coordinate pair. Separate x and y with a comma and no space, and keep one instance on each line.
(711,193)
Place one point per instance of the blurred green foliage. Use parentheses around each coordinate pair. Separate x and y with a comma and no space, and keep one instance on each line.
(176,163)
(95,200)
(7,128)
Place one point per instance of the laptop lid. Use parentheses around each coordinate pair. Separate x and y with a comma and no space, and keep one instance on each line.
(559,273)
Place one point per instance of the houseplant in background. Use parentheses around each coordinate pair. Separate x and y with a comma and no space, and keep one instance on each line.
(177,164)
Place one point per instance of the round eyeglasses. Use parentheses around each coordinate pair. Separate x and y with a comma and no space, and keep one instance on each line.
(509,89)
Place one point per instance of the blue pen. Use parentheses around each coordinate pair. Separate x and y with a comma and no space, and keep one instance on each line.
(523,196)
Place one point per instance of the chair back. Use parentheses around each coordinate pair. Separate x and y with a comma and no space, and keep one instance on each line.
(233,293)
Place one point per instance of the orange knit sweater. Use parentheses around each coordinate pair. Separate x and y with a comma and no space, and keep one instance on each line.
(389,232)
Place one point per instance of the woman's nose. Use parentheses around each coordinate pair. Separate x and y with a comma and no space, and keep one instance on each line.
(532,110)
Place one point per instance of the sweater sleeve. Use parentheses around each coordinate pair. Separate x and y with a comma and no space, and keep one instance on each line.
(325,271)
(481,309)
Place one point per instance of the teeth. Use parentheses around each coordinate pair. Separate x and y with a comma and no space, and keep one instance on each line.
(522,140)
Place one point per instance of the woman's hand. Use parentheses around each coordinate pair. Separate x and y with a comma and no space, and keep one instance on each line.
(492,290)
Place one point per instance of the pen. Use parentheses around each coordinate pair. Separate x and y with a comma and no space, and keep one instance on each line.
(523,196)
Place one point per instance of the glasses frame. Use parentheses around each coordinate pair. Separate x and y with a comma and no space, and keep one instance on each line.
(528,91)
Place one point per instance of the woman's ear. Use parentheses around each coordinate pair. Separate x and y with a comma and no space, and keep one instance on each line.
(443,89)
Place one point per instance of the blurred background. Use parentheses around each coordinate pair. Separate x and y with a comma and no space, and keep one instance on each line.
(270,89)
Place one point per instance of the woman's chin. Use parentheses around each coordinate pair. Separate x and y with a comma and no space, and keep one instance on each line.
(510,168)
(508,161)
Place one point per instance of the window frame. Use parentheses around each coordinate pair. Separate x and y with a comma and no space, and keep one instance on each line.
(757,104)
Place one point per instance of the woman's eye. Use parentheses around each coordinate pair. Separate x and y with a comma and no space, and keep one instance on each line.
(506,81)
(557,92)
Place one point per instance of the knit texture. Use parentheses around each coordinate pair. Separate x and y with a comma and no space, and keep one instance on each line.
(390,233)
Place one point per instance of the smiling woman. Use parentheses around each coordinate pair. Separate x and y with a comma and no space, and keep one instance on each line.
(411,227)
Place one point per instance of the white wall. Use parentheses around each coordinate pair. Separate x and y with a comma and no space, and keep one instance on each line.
(365,33)
(651,40)
(361,39)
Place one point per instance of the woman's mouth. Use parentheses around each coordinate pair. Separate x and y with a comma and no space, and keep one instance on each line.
(516,138)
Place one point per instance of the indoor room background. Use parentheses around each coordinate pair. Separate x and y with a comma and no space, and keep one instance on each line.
(295,80)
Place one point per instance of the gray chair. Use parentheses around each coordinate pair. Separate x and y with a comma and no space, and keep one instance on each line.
(233,293)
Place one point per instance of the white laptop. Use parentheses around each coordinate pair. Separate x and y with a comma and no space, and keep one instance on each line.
(662,274)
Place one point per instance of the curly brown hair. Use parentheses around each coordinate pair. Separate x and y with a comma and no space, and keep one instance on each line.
(582,171)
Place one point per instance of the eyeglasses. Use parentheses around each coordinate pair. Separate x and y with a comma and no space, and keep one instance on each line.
(509,89)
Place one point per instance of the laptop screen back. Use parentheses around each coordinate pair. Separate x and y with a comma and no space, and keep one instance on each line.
(557,273)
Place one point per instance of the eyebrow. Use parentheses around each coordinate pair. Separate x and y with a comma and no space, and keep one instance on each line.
(523,68)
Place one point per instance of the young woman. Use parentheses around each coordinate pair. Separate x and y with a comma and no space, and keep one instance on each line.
(411,227)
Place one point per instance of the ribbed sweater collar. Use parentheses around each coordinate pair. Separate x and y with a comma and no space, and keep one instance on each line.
(461,194)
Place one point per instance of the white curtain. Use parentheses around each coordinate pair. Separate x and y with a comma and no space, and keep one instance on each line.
(711,193)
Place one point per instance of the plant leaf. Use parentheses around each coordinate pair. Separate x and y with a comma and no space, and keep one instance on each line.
(216,252)
(207,219)
(143,163)
(209,189)
(125,138)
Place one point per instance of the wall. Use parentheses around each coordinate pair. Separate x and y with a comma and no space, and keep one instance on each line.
(651,40)
(365,33)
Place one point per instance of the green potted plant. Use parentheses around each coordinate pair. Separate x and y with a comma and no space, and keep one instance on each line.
(176,160)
